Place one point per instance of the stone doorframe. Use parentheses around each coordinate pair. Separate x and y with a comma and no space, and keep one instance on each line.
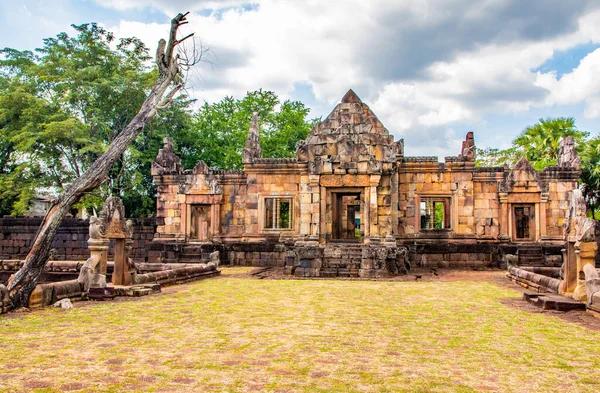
(364,184)
(508,201)
(532,221)
(215,214)
(333,209)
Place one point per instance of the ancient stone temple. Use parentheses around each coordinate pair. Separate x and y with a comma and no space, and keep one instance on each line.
(352,204)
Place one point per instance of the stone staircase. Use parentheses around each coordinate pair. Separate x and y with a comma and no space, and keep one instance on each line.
(194,253)
(531,255)
(341,260)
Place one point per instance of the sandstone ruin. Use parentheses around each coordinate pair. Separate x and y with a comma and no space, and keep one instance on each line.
(352,204)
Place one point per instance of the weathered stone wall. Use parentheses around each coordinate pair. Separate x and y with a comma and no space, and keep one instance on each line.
(254,254)
(168,207)
(486,206)
(70,243)
(233,206)
(270,178)
(234,254)
(424,177)
(443,254)
(557,208)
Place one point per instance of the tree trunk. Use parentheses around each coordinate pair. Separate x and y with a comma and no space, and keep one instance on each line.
(22,283)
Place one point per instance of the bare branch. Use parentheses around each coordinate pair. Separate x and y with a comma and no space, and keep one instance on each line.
(184,38)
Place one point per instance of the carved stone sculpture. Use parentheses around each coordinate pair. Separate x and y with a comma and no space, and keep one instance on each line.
(214,258)
(252,150)
(167,162)
(581,249)
(567,155)
(111,224)
(592,281)
(89,272)
(467,152)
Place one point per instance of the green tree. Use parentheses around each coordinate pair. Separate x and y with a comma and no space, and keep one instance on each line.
(74,96)
(540,143)
(590,175)
(221,129)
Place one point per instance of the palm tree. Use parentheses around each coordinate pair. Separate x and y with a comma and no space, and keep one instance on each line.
(540,143)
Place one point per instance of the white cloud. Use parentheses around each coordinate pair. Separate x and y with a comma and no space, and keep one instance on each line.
(582,84)
(423,67)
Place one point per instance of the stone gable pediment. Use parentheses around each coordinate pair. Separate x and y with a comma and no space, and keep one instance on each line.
(351,134)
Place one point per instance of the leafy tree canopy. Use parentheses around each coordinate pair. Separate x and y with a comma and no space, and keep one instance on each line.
(62,105)
(222,128)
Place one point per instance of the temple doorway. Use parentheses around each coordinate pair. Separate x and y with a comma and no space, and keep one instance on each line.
(347,216)
(200,222)
(523,218)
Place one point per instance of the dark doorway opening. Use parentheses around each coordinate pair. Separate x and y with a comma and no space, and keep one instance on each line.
(200,223)
(523,216)
(347,216)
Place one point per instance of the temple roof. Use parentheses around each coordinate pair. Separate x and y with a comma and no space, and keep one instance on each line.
(350,116)
(351,133)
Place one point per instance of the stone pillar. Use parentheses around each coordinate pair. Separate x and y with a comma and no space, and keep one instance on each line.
(538,222)
(585,254)
(315,207)
(119,266)
(305,208)
(121,274)
(323,215)
(97,286)
(542,220)
(373,222)
(504,213)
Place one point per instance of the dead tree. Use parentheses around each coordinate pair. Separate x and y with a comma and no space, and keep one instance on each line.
(169,82)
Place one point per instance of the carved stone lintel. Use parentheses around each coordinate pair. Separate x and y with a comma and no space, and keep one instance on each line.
(302,151)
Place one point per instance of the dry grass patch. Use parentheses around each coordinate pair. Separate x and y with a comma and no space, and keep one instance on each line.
(234,334)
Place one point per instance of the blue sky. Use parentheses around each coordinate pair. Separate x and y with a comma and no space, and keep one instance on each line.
(431,70)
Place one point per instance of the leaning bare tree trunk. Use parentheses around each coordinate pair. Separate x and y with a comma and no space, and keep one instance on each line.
(24,281)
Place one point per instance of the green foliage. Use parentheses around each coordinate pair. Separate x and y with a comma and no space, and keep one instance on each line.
(62,105)
(221,128)
(60,108)
(492,157)
(540,144)
(590,175)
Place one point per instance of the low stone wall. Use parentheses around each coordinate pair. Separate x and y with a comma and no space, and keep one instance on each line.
(553,272)
(233,254)
(255,254)
(47,294)
(454,255)
(70,242)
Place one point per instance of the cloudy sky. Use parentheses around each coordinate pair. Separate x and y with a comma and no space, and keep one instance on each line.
(431,70)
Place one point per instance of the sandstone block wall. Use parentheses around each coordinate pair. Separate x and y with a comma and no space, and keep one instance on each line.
(557,207)
(70,243)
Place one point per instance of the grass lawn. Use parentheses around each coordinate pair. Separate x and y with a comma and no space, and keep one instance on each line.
(237,334)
